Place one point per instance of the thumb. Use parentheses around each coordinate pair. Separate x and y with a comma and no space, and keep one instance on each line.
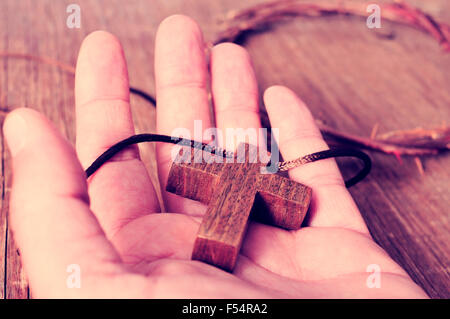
(56,232)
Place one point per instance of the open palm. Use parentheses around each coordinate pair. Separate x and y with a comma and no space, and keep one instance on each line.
(112,228)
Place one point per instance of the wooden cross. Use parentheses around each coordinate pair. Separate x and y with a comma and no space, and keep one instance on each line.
(234,192)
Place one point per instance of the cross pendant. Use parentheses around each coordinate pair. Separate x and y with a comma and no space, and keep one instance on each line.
(234,192)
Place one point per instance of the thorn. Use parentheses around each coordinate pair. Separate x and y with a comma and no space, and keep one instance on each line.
(399,157)
(374,132)
(419,165)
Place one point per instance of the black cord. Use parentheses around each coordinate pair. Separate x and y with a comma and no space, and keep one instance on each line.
(143,95)
(140,138)
(344,152)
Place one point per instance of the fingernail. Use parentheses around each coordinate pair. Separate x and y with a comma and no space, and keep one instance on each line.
(15,130)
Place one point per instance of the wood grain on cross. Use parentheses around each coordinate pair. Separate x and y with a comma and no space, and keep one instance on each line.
(234,191)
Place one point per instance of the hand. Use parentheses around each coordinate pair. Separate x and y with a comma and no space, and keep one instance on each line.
(111,226)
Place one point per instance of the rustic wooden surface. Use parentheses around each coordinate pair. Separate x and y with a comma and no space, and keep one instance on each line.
(350,77)
(233,189)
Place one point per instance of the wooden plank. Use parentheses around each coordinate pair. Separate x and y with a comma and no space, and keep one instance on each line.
(3,223)
(16,88)
(3,208)
(349,77)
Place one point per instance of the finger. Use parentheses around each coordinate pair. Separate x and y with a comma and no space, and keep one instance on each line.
(49,212)
(235,93)
(121,190)
(332,204)
(181,75)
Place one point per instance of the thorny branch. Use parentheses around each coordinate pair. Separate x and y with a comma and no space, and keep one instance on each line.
(414,142)
(260,16)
